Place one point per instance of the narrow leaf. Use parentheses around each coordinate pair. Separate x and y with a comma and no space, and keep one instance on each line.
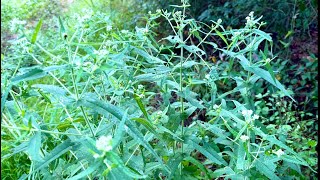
(141,106)
(118,135)
(35,73)
(36,32)
(86,172)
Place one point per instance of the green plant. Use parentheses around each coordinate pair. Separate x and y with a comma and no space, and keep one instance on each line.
(116,104)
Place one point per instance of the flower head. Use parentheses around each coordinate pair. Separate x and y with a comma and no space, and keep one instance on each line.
(104,143)
(279,152)
(255,117)
(215,106)
(109,28)
(244,138)
(246,112)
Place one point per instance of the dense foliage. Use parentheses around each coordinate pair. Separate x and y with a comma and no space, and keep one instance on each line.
(95,93)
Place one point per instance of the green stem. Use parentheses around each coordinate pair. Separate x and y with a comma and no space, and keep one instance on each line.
(87,121)
(181,84)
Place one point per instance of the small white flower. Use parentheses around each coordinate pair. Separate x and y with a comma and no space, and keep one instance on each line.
(251,13)
(255,117)
(219,21)
(215,106)
(104,143)
(279,152)
(140,86)
(246,112)
(96,156)
(124,31)
(178,13)
(109,28)
(101,52)
(108,42)
(244,138)
(268,60)
(207,76)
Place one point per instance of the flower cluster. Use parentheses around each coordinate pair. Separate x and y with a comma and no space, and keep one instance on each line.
(278,153)
(244,138)
(101,52)
(104,143)
(250,20)
(109,27)
(248,115)
(15,23)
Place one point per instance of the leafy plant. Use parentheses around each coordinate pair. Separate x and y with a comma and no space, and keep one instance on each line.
(105,103)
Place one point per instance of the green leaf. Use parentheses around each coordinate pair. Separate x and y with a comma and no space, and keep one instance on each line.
(146,124)
(209,153)
(263,34)
(148,57)
(34,147)
(187,64)
(268,66)
(264,168)
(192,49)
(174,39)
(258,71)
(4,97)
(293,160)
(198,164)
(228,114)
(53,155)
(36,32)
(173,163)
(62,28)
(141,106)
(190,96)
(105,108)
(223,171)
(241,156)
(86,172)
(241,132)
(222,37)
(35,73)
(114,158)
(149,77)
(273,140)
(214,129)
(44,96)
(56,91)
(118,135)
(175,136)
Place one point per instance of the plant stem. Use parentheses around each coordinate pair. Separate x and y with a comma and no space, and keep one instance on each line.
(181,84)
(87,121)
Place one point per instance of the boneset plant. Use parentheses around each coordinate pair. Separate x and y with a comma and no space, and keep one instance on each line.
(123,105)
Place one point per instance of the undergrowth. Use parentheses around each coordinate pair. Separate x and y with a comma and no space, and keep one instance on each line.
(88,100)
